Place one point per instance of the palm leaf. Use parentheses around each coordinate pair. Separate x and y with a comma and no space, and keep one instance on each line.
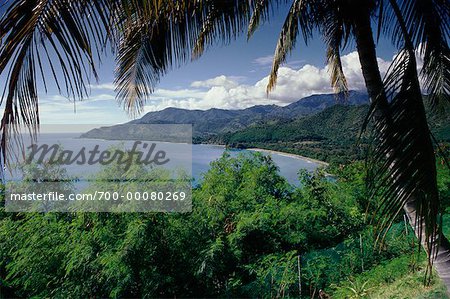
(154,36)
(300,18)
(260,13)
(336,29)
(221,21)
(29,31)
(404,173)
(157,36)
(404,169)
(338,79)
(428,24)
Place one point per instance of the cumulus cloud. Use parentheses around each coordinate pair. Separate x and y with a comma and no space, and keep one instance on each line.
(293,84)
(225,81)
(177,93)
(226,92)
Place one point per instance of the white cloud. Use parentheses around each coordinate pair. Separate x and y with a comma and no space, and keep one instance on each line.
(293,84)
(295,63)
(102,97)
(226,92)
(225,81)
(177,93)
(105,86)
(264,60)
(99,109)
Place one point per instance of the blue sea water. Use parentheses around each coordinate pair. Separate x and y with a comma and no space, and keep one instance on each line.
(195,158)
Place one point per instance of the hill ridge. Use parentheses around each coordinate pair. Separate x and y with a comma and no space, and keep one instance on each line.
(216,121)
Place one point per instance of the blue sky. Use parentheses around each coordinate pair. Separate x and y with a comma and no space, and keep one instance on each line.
(227,76)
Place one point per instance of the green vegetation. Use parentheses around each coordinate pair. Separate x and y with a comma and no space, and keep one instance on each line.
(333,135)
(315,136)
(245,237)
(207,124)
(244,201)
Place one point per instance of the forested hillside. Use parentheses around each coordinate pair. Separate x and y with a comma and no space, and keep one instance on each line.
(209,123)
(330,135)
(250,235)
(333,135)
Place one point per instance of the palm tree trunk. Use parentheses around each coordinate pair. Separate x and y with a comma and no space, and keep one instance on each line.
(440,247)
(369,64)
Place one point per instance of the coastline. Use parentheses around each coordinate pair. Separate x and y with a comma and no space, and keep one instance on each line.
(321,163)
(295,156)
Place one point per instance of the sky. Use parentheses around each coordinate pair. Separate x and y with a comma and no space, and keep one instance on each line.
(230,76)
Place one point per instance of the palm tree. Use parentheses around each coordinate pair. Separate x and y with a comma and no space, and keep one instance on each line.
(406,177)
(150,37)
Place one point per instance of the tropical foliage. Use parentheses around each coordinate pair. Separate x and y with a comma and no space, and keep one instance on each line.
(150,37)
(247,236)
(317,136)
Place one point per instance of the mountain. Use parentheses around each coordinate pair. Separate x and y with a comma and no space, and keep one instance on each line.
(329,135)
(209,122)
(316,103)
(212,122)
(332,135)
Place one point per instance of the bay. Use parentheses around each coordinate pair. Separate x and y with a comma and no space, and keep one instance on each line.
(195,158)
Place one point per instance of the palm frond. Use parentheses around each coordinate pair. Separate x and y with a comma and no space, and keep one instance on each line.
(404,158)
(29,30)
(404,173)
(220,21)
(338,79)
(260,13)
(428,23)
(144,56)
(154,37)
(134,82)
(202,38)
(336,29)
(300,18)
(436,75)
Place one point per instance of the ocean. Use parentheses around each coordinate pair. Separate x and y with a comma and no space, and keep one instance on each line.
(194,158)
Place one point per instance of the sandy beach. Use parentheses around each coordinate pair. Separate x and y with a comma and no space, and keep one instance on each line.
(322,163)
